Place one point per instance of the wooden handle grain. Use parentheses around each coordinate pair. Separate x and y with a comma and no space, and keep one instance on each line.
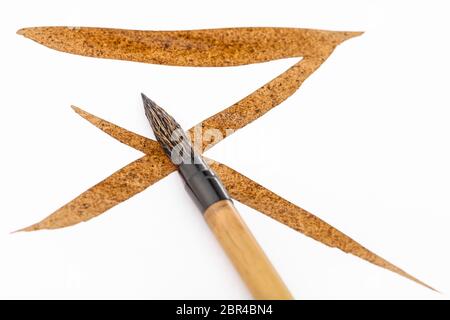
(244,251)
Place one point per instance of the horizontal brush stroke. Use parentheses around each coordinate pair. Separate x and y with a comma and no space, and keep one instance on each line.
(198,48)
(252,194)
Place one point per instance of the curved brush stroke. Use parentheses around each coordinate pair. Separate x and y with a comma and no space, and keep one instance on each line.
(263,200)
(253,195)
(197,48)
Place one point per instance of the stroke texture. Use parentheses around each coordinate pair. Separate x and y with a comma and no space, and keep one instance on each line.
(203,48)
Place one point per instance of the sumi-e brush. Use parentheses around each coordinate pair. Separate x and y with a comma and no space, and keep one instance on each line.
(217,207)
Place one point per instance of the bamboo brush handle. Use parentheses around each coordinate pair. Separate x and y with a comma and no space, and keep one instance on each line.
(244,251)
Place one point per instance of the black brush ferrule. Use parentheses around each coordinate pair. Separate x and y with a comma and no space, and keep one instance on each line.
(202,183)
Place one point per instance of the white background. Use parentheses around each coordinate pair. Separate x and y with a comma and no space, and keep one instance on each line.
(366,142)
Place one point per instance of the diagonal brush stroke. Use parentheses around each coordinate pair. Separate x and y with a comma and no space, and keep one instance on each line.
(134,140)
(196,48)
(118,187)
(260,101)
(253,195)
(263,200)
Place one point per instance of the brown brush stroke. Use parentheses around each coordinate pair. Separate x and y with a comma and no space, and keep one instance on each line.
(260,101)
(240,187)
(134,140)
(252,194)
(199,48)
(118,187)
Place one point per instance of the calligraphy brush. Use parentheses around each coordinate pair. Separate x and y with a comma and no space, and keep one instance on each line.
(217,207)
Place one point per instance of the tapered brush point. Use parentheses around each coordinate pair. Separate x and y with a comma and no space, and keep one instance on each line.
(167,131)
(144,97)
(147,101)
